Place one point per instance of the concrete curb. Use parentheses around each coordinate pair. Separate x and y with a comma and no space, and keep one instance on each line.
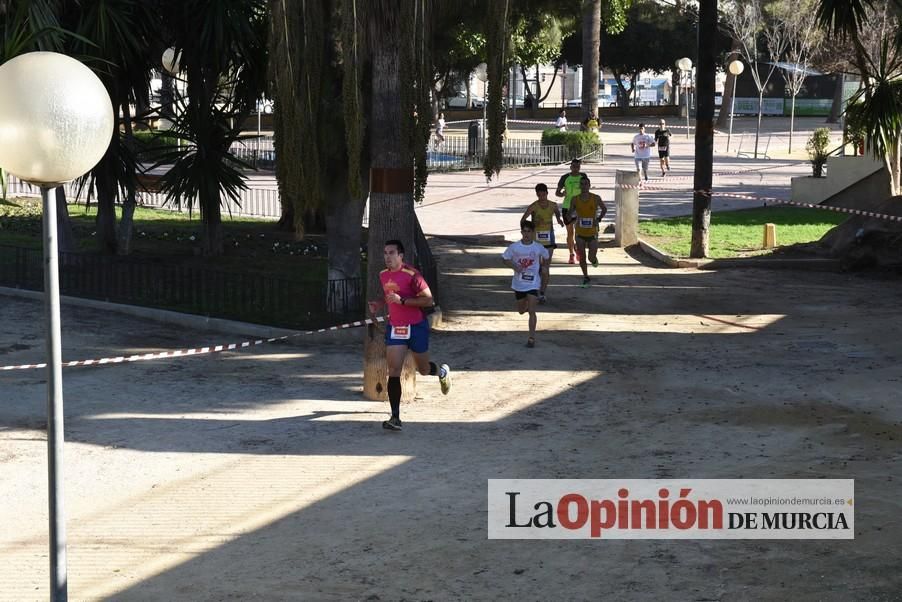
(769,263)
(789,263)
(215,325)
(670,261)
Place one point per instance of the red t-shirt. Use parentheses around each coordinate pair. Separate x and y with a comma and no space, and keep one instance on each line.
(406,282)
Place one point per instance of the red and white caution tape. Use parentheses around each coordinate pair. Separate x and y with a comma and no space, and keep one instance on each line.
(779,201)
(884,216)
(189,352)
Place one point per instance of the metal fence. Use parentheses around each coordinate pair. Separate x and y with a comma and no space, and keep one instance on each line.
(456,152)
(465,152)
(190,289)
(259,151)
(253,202)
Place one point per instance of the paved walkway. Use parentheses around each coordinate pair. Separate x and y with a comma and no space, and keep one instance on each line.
(460,203)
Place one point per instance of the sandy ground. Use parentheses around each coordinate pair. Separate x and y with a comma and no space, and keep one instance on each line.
(265,475)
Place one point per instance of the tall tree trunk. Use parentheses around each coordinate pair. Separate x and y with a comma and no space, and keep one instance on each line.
(836,107)
(64,234)
(528,94)
(758,126)
(704,127)
(285,74)
(105,222)
(680,5)
(726,104)
(211,218)
(792,120)
(167,96)
(127,221)
(391,200)
(344,214)
(591,57)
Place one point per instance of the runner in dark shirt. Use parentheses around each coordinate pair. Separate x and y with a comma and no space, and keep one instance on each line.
(662,141)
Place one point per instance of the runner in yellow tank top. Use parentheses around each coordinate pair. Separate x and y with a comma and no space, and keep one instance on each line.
(586,211)
(543,212)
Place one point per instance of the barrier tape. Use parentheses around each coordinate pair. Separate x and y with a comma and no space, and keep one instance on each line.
(766,199)
(666,179)
(634,124)
(190,352)
(883,216)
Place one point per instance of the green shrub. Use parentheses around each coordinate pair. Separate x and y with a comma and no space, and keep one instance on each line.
(817,150)
(149,143)
(577,143)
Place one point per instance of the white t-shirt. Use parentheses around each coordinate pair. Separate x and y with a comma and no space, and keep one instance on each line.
(529,258)
(440,126)
(643,143)
(561,123)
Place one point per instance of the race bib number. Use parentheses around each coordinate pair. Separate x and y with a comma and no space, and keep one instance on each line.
(586,222)
(662,147)
(527,277)
(544,236)
(400,333)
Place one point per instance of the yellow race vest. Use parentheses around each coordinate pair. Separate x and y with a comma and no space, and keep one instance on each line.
(585,216)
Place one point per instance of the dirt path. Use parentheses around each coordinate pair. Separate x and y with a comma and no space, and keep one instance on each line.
(264,475)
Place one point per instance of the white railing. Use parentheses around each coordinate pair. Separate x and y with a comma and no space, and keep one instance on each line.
(254,202)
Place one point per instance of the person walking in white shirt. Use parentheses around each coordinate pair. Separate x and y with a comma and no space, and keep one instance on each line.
(561,122)
(439,130)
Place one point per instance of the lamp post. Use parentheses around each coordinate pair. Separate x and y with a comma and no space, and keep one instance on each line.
(171,64)
(685,67)
(482,75)
(735,68)
(56,122)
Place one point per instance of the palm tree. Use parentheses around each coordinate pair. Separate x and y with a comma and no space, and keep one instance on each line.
(845,19)
(591,45)
(222,50)
(877,110)
(121,37)
(27,26)
(877,107)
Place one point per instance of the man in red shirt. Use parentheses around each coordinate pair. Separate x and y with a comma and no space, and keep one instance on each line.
(405,293)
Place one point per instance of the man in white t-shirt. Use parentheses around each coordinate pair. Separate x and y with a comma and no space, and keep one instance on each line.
(439,130)
(561,121)
(527,259)
(641,146)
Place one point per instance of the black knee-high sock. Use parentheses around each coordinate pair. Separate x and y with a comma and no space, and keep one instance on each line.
(433,369)
(394,395)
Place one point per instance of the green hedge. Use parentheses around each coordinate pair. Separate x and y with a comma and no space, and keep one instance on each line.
(577,143)
(148,144)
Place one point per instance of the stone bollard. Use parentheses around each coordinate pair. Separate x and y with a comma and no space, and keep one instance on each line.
(626,202)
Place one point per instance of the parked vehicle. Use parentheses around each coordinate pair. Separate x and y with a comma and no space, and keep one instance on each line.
(460,102)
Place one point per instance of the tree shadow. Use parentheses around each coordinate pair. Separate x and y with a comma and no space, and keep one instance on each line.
(368,514)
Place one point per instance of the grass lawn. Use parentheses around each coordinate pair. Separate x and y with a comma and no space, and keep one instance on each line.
(252,246)
(741,233)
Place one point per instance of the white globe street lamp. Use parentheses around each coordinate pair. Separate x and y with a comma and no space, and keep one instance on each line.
(685,66)
(56,122)
(735,68)
(171,61)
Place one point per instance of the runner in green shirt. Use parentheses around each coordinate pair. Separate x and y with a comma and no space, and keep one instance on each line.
(568,188)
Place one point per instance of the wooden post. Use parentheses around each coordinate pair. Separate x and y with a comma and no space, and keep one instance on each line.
(770,236)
